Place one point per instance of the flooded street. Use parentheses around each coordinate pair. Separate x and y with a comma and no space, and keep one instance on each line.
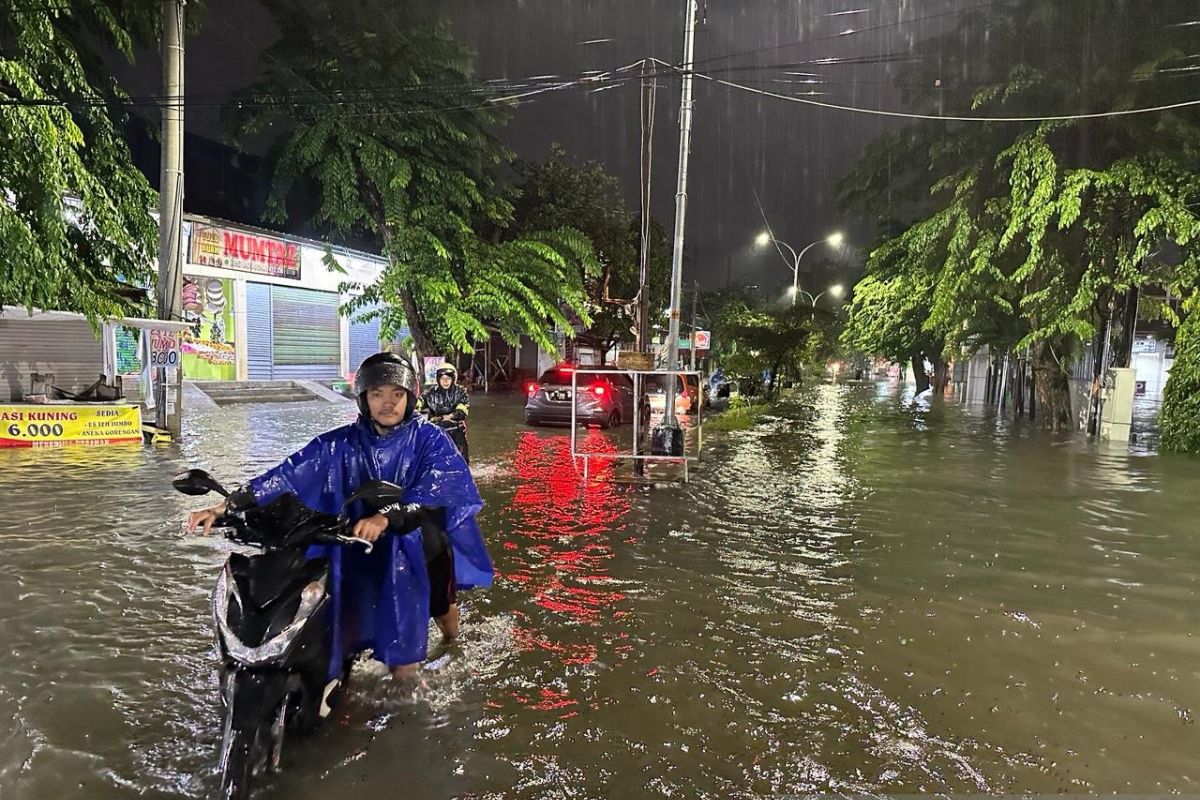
(866,594)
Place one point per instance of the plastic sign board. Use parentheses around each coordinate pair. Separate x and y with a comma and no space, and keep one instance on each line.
(164,348)
(245,252)
(431,367)
(53,425)
(703,341)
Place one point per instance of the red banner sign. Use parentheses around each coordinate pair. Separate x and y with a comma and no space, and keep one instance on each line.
(245,252)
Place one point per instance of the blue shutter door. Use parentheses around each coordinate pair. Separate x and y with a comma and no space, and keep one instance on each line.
(307,334)
(258,331)
(364,340)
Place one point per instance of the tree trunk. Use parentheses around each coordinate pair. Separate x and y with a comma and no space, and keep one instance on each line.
(919,373)
(422,342)
(1053,389)
(941,375)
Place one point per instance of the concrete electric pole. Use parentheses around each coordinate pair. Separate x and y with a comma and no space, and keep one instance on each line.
(170,202)
(668,437)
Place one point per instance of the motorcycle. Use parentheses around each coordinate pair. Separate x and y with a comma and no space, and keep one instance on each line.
(272,629)
(457,431)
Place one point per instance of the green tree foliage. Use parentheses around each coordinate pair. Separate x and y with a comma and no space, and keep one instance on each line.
(889,311)
(60,137)
(1181,400)
(559,193)
(1031,231)
(756,339)
(378,120)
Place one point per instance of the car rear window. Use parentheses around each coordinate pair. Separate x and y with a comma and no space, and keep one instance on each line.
(658,383)
(561,377)
(555,377)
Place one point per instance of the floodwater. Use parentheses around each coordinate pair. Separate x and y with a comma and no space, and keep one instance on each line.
(865,594)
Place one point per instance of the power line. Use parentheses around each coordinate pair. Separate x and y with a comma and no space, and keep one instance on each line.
(945,118)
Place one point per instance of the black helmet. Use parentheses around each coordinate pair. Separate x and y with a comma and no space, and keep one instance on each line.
(447,370)
(383,369)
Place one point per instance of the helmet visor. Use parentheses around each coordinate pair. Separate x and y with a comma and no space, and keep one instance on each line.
(382,374)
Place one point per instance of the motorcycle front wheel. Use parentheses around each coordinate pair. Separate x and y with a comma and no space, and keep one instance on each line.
(241,752)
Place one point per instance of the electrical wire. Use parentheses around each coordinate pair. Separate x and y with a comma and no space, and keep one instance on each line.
(943,117)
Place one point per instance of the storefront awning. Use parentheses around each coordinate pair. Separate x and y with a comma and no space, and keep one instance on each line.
(108,334)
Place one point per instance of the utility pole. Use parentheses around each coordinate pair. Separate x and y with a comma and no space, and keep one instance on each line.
(695,297)
(668,437)
(649,101)
(170,200)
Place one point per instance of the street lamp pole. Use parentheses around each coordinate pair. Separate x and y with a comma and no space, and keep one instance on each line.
(833,240)
(835,291)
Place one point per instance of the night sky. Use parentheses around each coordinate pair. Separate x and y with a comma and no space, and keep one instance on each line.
(791,155)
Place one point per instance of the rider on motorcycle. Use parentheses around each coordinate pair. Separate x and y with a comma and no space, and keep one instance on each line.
(447,404)
(383,600)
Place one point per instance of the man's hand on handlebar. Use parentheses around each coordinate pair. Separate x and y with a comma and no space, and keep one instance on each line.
(205,517)
(370,528)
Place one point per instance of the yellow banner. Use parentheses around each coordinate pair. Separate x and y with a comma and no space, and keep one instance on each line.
(52,425)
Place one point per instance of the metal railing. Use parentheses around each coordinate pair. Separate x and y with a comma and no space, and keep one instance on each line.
(636,376)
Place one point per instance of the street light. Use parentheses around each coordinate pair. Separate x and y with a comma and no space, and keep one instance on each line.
(834,240)
(833,291)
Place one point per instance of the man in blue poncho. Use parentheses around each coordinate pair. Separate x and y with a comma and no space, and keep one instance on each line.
(383,600)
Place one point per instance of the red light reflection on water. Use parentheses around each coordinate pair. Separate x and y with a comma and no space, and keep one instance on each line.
(564,530)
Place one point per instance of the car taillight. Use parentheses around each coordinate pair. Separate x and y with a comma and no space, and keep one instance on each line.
(598,390)
(531,389)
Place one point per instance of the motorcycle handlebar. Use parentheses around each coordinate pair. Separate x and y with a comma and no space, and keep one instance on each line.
(341,538)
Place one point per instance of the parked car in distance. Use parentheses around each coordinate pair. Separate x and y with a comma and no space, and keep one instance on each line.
(604,400)
(688,393)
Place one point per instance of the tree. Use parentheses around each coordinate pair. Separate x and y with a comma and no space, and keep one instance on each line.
(75,223)
(1035,231)
(887,319)
(381,124)
(1181,399)
(756,340)
(558,193)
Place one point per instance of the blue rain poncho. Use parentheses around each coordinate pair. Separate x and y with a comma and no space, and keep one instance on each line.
(380,600)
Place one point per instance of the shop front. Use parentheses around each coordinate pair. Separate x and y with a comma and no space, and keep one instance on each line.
(266,307)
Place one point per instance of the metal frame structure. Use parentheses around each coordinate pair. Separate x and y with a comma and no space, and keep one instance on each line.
(636,375)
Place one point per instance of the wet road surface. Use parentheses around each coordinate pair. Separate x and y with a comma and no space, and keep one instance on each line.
(863,594)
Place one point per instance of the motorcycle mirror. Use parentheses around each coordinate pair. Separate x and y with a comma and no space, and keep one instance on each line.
(376,494)
(198,482)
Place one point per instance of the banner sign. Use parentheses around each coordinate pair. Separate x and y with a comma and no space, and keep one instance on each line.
(53,425)
(209,352)
(245,252)
(164,348)
(431,367)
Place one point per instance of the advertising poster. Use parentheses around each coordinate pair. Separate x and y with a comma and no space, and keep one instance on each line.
(50,426)
(431,366)
(128,362)
(208,347)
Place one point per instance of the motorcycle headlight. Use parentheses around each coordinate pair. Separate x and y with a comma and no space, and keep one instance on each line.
(271,650)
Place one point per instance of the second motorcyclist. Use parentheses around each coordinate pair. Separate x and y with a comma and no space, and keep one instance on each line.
(447,405)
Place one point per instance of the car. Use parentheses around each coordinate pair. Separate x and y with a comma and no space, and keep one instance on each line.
(604,400)
(688,393)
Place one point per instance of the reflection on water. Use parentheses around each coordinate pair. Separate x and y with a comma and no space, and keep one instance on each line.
(868,593)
